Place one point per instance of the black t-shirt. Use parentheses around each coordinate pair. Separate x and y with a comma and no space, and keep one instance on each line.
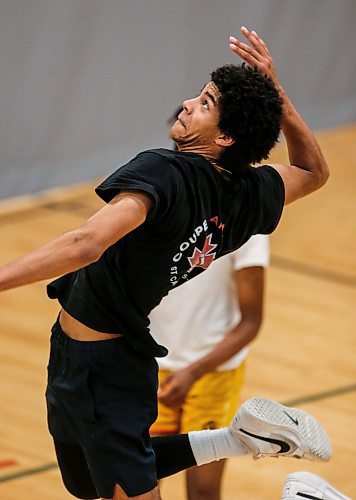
(197,216)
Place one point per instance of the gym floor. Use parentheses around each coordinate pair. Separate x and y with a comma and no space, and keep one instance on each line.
(305,353)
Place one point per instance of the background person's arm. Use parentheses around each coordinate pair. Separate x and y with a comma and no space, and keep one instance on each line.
(250,284)
(308,170)
(81,246)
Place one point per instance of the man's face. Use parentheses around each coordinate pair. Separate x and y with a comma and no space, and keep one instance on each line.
(197,124)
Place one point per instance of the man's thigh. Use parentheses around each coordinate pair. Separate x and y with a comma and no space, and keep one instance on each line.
(99,400)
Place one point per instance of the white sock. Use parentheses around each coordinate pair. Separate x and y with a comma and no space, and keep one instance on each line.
(211,445)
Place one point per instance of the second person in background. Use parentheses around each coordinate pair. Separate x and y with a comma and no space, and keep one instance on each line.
(206,326)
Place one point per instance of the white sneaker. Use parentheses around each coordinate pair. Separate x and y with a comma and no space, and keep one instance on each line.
(269,429)
(301,485)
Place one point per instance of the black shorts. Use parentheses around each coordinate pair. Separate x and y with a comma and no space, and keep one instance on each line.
(101,401)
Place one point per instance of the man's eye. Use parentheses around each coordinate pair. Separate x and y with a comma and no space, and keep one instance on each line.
(205,105)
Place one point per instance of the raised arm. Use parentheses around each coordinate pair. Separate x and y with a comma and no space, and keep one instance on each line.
(308,170)
(81,246)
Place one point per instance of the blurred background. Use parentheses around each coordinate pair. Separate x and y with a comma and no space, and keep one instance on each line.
(85,85)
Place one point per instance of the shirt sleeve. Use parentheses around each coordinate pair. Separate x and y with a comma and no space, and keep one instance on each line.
(255,252)
(148,172)
(270,198)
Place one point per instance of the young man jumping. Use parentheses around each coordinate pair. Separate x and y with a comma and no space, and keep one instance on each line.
(169,214)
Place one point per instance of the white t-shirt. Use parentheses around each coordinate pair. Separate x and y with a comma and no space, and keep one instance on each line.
(194,317)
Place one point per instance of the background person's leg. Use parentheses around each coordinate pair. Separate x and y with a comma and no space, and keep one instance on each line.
(203,483)
(211,404)
(119,494)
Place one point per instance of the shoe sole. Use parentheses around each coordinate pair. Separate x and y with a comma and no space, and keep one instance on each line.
(266,420)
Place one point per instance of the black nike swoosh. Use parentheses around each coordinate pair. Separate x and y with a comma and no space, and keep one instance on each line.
(292,419)
(283,445)
(304,495)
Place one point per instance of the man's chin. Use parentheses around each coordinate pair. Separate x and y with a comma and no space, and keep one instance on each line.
(175,135)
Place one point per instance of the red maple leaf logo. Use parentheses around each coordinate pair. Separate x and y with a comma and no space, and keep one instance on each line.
(203,258)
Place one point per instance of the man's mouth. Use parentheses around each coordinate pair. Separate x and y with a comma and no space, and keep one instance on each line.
(181,121)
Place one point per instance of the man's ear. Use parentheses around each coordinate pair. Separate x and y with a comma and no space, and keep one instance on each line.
(224,140)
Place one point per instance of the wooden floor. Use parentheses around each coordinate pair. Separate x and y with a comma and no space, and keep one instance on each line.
(305,353)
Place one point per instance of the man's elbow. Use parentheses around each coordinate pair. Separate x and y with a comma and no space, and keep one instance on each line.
(87,250)
(323,175)
(317,179)
(316,165)
(255,326)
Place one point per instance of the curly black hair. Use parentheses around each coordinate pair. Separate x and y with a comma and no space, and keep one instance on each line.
(250,111)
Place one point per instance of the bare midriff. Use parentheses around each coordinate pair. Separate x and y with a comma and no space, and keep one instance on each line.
(77,331)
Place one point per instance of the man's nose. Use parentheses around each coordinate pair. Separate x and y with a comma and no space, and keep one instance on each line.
(188,105)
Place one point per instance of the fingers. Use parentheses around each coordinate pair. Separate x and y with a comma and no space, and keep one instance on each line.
(255,36)
(170,399)
(166,389)
(255,53)
(165,381)
(256,41)
(171,395)
(249,54)
(257,48)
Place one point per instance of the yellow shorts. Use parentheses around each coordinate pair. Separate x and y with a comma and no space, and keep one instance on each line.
(211,403)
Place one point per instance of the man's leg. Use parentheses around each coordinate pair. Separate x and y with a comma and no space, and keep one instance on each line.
(261,427)
(74,470)
(77,478)
(173,454)
(107,445)
(267,428)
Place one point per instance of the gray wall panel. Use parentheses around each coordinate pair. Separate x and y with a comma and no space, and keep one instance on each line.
(87,83)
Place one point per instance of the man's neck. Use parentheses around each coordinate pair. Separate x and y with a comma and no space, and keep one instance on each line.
(200,150)
(208,155)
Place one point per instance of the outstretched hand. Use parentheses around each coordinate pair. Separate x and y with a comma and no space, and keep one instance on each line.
(255,53)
